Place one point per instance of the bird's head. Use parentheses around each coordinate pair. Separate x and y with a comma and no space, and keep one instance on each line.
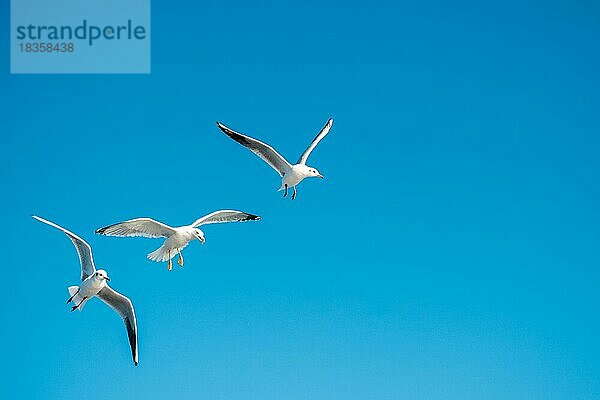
(102,275)
(313,172)
(198,234)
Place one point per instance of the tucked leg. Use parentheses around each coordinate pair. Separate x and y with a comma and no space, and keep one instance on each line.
(180,260)
(77,306)
(285,193)
(170,264)
(71,298)
(294,194)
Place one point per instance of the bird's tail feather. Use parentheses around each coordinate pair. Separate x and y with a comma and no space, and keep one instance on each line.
(161,254)
(77,298)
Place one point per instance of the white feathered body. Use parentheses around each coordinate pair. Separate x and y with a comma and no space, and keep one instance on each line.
(181,238)
(87,289)
(294,176)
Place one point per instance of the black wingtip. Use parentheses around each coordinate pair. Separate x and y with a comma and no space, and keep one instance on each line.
(241,139)
(102,231)
(253,217)
(223,128)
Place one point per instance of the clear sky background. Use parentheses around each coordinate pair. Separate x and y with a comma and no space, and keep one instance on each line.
(452,251)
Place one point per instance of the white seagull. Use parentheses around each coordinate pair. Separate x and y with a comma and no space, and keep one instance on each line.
(291,175)
(93,283)
(176,237)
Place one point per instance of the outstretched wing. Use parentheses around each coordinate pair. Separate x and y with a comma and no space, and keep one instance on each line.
(315,142)
(145,227)
(221,216)
(83,249)
(123,306)
(263,150)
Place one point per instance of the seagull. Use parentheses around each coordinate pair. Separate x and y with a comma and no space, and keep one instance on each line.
(93,283)
(176,238)
(291,175)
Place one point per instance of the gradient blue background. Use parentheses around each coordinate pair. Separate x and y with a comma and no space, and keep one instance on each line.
(450,253)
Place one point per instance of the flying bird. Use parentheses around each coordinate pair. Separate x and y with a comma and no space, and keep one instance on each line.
(94,283)
(291,175)
(176,238)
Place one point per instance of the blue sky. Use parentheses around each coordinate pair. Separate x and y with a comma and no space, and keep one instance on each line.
(450,253)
